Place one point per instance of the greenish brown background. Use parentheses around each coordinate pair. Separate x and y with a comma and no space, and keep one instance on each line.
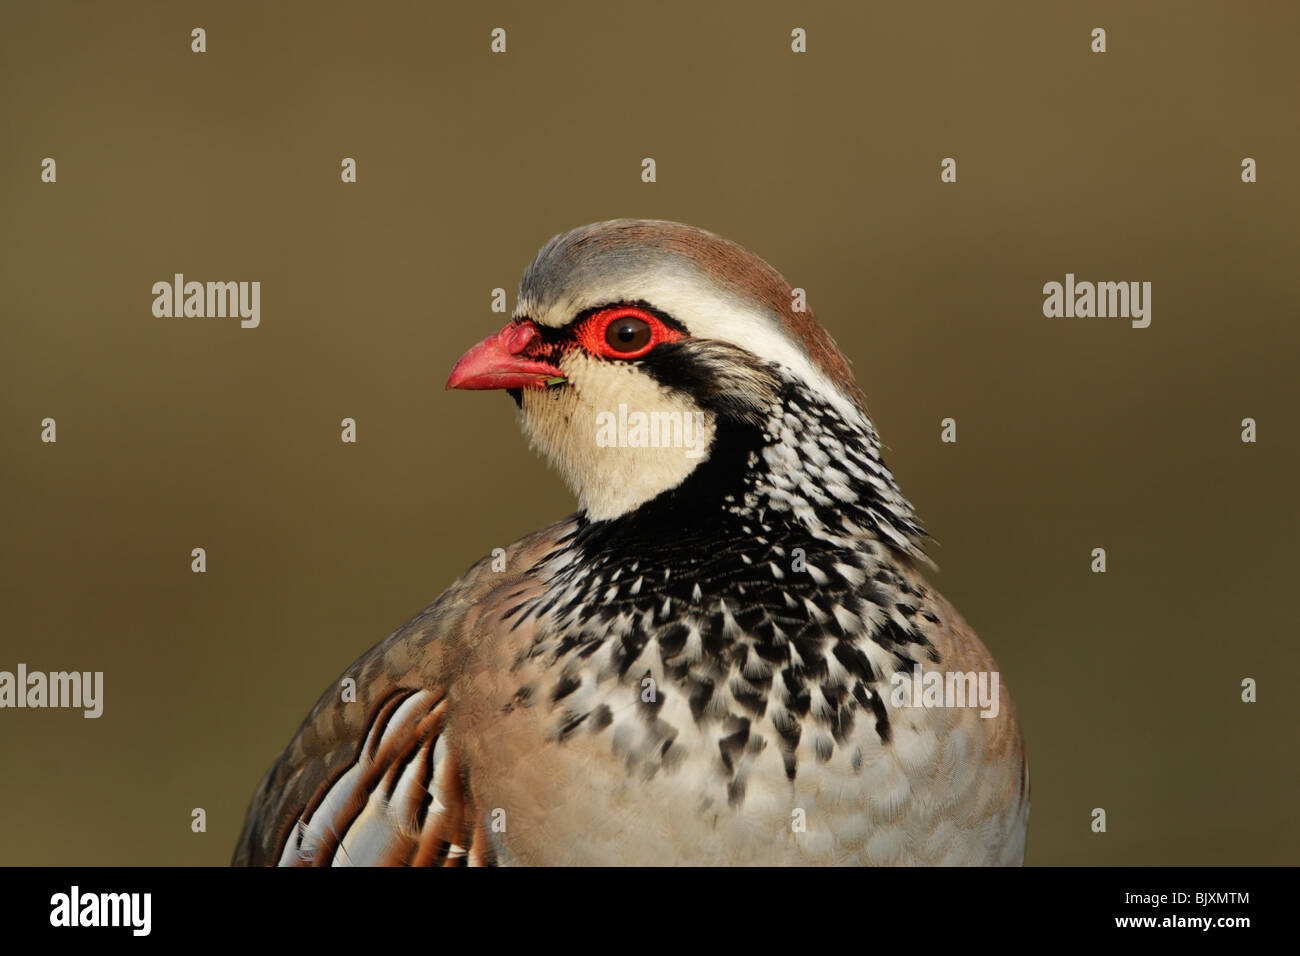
(1072,433)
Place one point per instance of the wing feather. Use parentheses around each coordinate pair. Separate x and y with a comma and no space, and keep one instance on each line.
(378,780)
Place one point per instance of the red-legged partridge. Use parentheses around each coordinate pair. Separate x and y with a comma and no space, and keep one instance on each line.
(715,661)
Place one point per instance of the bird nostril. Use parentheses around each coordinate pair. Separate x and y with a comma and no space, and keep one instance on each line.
(516,338)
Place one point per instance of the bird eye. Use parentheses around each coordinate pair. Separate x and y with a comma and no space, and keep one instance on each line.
(624,332)
(628,334)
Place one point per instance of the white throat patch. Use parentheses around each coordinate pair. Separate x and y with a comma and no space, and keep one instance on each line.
(617,438)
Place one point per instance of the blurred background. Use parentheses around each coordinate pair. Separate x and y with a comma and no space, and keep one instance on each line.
(1073,434)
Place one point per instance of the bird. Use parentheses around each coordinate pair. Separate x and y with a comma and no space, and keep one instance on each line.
(702,665)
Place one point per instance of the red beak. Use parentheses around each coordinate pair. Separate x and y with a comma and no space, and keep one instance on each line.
(498,362)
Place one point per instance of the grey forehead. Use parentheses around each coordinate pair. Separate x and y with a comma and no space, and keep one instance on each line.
(609,257)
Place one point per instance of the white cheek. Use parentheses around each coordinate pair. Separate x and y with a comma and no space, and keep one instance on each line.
(615,436)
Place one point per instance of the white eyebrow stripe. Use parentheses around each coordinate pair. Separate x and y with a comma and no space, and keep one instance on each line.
(708,312)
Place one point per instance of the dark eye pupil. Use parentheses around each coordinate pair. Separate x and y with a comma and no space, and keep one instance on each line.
(628,334)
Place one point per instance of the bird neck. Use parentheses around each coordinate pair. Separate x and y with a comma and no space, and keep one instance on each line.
(805,472)
(793,530)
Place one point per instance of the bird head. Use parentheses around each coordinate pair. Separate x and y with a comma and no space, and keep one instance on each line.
(662,368)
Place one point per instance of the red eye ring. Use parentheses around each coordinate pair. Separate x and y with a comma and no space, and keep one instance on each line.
(595,334)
